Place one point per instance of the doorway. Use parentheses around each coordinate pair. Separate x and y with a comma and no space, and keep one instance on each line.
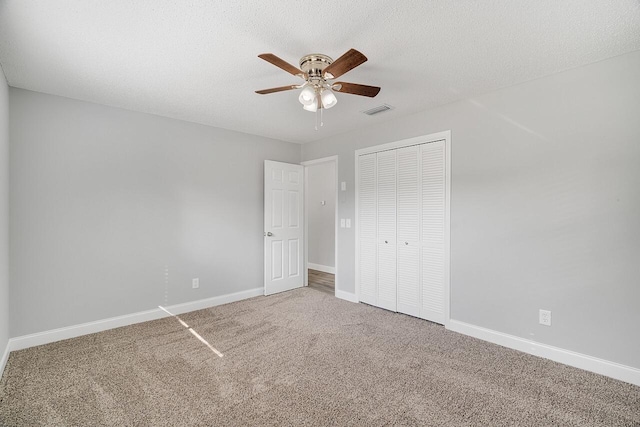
(321,224)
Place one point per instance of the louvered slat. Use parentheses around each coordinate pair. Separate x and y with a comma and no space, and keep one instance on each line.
(409,279)
(367,203)
(367,226)
(408,229)
(433,223)
(408,197)
(387,196)
(368,271)
(386,186)
(433,180)
(386,297)
(433,284)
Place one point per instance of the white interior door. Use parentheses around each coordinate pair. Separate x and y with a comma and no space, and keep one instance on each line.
(368,229)
(402,227)
(387,249)
(409,230)
(283,227)
(433,231)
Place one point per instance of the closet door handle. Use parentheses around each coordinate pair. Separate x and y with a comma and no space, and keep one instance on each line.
(386,241)
(406,243)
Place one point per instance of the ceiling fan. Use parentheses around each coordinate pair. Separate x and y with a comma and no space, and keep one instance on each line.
(317,70)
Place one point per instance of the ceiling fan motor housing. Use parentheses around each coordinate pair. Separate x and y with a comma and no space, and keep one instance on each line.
(314,64)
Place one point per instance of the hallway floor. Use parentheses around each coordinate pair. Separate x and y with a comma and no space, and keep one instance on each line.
(324,282)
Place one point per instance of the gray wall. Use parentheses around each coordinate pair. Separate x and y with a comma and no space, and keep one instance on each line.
(4,213)
(545,206)
(321,186)
(114,212)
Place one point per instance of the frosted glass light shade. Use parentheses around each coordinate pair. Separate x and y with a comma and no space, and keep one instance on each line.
(311,107)
(307,96)
(328,98)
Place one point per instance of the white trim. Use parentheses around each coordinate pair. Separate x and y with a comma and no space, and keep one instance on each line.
(347,296)
(306,225)
(306,165)
(318,161)
(323,268)
(571,358)
(356,215)
(54,335)
(5,358)
(445,135)
(447,227)
(440,136)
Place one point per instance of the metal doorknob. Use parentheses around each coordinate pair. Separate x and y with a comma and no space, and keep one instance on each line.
(269,233)
(406,243)
(386,241)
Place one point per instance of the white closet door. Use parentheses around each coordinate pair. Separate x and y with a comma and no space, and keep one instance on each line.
(408,230)
(433,228)
(387,282)
(367,228)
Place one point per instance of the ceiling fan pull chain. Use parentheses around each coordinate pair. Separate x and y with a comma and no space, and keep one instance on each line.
(316,119)
(321,120)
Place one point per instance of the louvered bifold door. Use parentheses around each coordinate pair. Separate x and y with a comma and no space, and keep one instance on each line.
(387,170)
(408,229)
(433,228)
(367,228)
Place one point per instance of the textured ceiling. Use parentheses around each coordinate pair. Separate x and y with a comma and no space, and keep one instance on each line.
(197,60)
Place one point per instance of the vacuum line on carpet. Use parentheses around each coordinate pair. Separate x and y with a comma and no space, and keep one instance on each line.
(190,329)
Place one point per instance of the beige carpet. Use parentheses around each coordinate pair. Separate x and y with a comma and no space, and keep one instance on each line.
(300,358)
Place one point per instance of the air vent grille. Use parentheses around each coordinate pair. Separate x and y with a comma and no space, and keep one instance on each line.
(377,110)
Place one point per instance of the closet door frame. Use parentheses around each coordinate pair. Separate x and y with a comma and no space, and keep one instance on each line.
(425,139)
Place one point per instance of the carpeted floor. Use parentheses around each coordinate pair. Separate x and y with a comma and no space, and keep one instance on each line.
(300,358)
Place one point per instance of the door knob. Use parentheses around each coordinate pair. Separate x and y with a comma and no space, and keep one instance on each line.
(406,243)
(269,233)
(386,241)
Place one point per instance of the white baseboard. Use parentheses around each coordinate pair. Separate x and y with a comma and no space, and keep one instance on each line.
(5,358)
(571,358)
(347,296)
(323,268)
(54,335)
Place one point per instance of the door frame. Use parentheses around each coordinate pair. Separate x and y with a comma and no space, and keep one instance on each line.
(306,165)
(424,139)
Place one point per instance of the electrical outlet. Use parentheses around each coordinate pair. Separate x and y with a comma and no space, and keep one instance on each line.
(342,222)
(545,317)
(195,283)
(348,223)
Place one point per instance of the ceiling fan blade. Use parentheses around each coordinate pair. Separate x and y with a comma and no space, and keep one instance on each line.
(346,62)
(277,89)
(270,57)
(356,89)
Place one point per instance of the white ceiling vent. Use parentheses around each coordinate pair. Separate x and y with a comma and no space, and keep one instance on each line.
(377,110)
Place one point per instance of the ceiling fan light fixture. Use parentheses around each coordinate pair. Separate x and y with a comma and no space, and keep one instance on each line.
(313,107)
(307,96)
(328,98)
